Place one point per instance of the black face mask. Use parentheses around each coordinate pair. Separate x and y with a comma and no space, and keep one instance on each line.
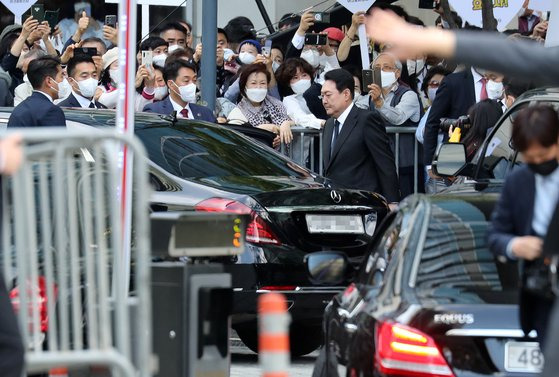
(545,168)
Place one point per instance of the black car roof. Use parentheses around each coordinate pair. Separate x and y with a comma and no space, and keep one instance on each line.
(484,202)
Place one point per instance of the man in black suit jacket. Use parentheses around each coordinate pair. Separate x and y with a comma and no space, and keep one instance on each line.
(181,78)
(356,150)
(83,78)
(46,76)
(523,214)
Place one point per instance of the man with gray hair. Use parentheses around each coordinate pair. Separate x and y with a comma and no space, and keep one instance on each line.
(25,89)
(400,106)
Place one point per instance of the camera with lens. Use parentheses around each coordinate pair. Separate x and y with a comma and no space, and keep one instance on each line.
(463,122)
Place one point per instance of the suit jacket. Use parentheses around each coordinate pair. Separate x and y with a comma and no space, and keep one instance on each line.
(362,158)
(37,111)
(454,98)
(526,60)
(165,107)
(512,217)
(72,101)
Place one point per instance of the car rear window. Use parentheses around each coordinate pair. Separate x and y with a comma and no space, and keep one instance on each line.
(202,151)
(456,262)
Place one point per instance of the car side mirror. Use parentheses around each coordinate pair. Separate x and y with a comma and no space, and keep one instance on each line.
(450,159)
(327,267)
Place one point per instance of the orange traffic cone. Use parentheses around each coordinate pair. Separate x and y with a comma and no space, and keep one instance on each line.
(273,335)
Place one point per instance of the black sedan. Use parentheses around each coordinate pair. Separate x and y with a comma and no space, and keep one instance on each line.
(198,166)
(430,299)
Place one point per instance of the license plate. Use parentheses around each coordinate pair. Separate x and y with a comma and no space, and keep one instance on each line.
(335,224)
(523,357)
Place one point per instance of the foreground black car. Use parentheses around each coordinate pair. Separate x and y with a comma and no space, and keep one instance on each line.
(430,299)
(197,166)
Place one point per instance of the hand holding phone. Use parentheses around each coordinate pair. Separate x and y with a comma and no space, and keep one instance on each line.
(110,20)
(38,12)
(147,59)
(51,16)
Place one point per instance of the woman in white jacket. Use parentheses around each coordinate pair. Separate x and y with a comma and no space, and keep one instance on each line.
(295,77)
(108,92)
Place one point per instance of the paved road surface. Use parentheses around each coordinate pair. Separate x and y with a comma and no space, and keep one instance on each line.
(244,362)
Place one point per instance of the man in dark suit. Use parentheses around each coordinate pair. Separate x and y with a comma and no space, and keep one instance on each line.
(523,214)
(356,149)
(180,77)
(83,78)
(47,78)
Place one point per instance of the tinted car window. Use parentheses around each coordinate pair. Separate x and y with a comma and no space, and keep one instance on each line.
(199,151)
(456,262)
(500,157)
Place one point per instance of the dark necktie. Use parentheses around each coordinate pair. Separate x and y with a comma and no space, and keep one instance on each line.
(92,105)
(335,135)
(184,113)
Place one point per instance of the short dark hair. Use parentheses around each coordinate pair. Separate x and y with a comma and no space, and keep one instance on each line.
(289,19)
(96,40)
(172,26)
(152,43)
(41,68)
(287,70)
(180,54)
(171,69)
(248,70)
(239,29)
(436,70)
(535,124)
(515,87)
(77,59)
(343,80)
(222,31)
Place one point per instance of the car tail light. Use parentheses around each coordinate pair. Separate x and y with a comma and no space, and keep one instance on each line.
(258,230)
(404,351)
(278,287)
(40,290)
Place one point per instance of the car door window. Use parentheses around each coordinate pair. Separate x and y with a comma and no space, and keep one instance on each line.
(499,157)
(392,239)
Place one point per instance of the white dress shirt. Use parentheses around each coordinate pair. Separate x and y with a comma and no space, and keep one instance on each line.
(408,108)
(298,41)
(299,112)
(178,108)
(84,102)
(341,119)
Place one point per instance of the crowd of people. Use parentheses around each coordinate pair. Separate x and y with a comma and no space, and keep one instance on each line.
(272,87)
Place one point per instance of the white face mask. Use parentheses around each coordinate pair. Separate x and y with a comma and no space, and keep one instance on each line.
(227,54)
(495,89)
(247,58)
(275,66)
(159,60)
(432,93)
(387,78)
(161,92)
(257,94)
(301,86)
(415,66)
(187,92)
(64,88)
(114,75)
(312,57)
(356,96)
(174,48)
(87,87)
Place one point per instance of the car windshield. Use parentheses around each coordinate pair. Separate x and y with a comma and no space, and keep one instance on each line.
(456,264)
(202,151)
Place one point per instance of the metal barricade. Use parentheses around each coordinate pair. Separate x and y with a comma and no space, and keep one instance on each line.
(88,302)
(305,137)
